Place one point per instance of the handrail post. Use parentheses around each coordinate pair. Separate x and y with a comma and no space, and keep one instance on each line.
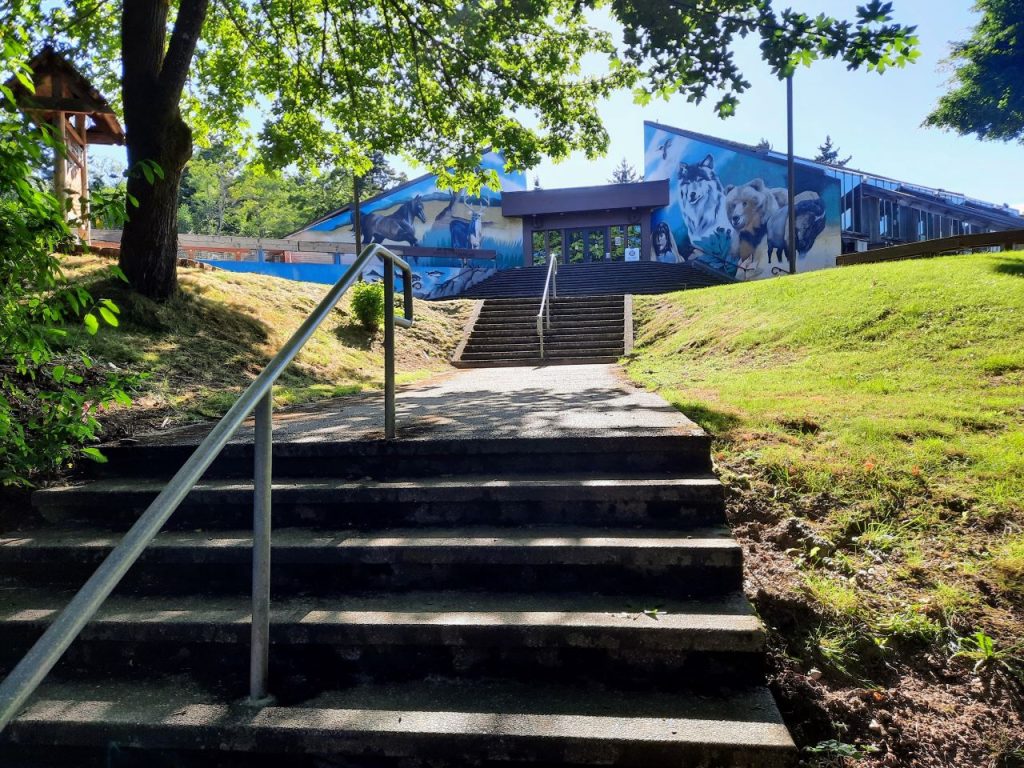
(262,473)
(389,349)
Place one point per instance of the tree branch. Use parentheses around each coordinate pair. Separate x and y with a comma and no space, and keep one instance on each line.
(184,38)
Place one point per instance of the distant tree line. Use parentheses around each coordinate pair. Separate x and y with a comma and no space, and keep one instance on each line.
(223,194)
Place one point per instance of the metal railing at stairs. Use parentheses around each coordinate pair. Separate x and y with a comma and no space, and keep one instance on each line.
(40,659)
(544,315)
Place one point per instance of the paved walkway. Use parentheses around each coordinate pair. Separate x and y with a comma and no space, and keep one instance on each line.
(544,401)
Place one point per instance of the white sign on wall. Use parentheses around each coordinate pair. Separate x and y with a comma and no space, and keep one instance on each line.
(632,254)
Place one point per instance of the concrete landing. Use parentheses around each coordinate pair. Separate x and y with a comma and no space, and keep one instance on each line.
(513,402)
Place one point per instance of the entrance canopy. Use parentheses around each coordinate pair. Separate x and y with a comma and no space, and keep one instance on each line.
(607,197)
(586,225)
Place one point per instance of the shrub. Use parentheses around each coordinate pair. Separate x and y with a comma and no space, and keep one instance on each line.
(368,304)
(50,390)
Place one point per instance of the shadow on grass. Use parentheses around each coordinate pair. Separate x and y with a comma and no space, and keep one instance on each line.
(355,335)
(1012,267)
(710,419)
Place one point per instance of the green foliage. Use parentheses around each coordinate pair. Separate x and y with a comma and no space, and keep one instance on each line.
(987,96)
(829,153)
(624,173)
(222,193)
(841,750)
(441,82)
(982,650)
(50,390)
(685,47)
(368,304)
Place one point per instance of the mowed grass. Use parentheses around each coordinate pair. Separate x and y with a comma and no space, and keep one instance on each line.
(884,406)
(200,349)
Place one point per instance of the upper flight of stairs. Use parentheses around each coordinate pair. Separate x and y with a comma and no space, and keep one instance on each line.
(472,602)
(637,277)
(584,329)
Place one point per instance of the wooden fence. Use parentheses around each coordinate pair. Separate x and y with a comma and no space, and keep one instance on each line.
(1009,240)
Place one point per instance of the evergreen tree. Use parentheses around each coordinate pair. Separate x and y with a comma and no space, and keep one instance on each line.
(625,173)
(829,153)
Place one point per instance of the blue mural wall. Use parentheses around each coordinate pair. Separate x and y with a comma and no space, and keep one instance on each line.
(419,214)
(729,208)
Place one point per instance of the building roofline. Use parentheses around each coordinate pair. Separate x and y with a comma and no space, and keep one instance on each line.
(995,208)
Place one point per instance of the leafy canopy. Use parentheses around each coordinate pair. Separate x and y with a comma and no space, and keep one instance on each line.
(439,81)
(987,96)
(682,46)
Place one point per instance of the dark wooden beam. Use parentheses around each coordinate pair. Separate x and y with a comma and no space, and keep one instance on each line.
(55,104)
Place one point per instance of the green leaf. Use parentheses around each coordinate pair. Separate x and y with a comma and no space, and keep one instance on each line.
(26,81)
(108,316)
(91,323)
(95,454)
(58,373)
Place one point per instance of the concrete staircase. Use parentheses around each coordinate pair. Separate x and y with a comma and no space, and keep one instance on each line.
(587,329)
(570,601)
(595,279)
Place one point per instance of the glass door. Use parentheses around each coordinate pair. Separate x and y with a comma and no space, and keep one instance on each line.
(586,244)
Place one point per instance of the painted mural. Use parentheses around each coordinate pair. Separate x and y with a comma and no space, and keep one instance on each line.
(729,208)
(421,215)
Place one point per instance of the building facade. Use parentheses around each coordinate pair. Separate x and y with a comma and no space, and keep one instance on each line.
(704,201)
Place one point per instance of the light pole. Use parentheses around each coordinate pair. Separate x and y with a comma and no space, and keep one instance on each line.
(791,186)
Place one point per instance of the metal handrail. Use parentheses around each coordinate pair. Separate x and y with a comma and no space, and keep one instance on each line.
(40,659)
(544,315)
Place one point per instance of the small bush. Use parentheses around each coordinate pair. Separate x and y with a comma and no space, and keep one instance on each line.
(368,304)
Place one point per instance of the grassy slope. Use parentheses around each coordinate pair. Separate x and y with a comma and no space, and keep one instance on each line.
(871,420)
(205,345)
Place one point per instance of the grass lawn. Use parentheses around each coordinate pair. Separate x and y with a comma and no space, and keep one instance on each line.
(204,346)
(870,421)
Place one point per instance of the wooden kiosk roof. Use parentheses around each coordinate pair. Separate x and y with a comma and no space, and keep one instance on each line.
(60,87)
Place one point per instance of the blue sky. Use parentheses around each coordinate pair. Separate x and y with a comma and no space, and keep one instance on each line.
(876,118)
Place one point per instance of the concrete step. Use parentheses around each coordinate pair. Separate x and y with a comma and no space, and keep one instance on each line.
(328,642)
(552,344)
(526,316)
(668,502)
(541,559)
(519,361)
(610,353)
(530,328)
(450,723)
(513,362)
(381,459)
(609,299)
(595,279)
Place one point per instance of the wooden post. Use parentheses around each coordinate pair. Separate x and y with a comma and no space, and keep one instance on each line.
(59,161)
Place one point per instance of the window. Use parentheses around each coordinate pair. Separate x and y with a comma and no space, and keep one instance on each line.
(617,243)
(545,242)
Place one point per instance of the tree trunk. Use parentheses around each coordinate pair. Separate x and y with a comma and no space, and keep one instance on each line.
(153,76)
(149,243)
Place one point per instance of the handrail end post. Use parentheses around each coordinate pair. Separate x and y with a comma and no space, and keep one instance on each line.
(263,441)
(389,349)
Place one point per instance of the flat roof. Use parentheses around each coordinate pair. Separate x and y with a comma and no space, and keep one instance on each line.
(605,197)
